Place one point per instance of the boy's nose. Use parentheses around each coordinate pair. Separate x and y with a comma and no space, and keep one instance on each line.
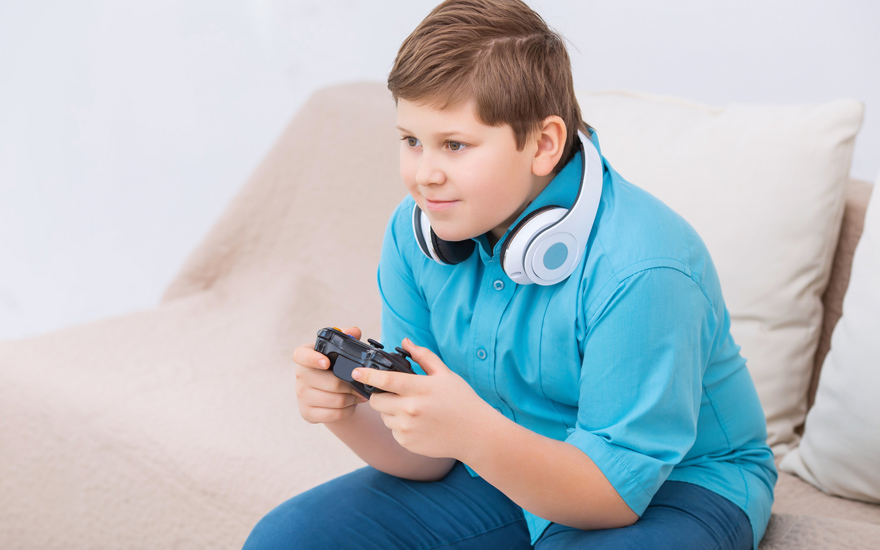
(429,173)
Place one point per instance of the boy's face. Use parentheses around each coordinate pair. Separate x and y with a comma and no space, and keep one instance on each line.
(466,176)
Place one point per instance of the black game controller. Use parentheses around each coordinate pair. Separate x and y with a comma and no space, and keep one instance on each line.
(346,354)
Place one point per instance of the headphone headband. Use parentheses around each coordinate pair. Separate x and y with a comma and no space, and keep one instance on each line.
(579,220)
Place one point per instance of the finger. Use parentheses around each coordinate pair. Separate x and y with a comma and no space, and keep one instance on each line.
(322,380)
(306,356)
(318,415)
(390,381)
(426,358)
(317,398)
(385,404)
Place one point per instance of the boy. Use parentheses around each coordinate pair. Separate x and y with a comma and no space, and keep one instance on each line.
(606,407)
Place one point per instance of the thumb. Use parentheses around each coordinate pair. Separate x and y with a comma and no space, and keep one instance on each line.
(426,358)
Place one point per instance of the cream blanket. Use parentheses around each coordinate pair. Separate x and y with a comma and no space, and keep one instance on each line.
(177,427)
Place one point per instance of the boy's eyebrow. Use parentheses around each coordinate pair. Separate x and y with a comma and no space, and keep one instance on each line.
(439,135)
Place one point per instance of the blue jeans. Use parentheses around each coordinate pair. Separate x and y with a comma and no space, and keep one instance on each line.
(367,509)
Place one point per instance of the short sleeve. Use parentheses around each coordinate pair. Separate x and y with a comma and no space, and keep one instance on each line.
(405,312)
(645,352)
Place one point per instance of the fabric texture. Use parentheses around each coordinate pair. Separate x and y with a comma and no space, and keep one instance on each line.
(630,359)
(796,497)
(841,440)
(739,173)
(790,532)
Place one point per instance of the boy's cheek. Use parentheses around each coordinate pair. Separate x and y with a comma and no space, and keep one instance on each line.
(408,175)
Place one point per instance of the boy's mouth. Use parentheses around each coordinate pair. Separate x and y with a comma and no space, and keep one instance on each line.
(438,206)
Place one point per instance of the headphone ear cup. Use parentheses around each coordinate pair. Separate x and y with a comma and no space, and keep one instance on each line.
(452,252)
(515,249)
(444,252)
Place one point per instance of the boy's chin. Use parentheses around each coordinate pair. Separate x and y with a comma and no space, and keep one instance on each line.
(451,235)
(455,239)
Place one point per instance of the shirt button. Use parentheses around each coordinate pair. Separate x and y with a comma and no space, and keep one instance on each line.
(498,285)
(481,354)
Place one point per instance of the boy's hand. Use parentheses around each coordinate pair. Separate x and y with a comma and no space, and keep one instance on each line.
(435,415)
(321,397)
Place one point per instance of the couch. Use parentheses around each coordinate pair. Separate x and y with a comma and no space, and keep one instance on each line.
(177,427)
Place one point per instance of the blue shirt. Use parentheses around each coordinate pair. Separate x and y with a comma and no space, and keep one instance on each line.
(630,359)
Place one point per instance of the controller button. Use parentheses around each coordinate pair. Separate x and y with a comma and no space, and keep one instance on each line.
(375,344)
(481,354)
(403,352)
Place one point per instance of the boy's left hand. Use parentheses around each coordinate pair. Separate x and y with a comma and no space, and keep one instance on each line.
(435,415)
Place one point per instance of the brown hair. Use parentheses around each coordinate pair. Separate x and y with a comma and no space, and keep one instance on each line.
(499,53)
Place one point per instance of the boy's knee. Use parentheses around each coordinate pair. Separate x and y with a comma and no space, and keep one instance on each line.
(279,529)
(269,534)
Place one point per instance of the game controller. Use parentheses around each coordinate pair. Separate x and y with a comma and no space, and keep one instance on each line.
(347,353)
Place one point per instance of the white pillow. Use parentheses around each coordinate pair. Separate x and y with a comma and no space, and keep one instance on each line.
(840,450)
(763,185)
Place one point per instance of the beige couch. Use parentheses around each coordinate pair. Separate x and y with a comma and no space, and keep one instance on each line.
(176,427)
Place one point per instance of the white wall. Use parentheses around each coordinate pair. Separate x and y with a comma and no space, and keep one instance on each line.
(125,127)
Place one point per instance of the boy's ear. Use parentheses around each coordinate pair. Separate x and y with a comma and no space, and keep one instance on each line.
(551,143)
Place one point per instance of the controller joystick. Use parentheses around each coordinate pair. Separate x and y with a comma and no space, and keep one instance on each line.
(375,344)
(347,353)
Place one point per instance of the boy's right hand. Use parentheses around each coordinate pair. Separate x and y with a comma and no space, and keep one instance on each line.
(321,397)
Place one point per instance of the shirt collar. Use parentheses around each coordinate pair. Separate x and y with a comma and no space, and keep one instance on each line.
(561,191)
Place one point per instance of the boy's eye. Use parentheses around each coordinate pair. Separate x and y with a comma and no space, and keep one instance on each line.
(455,146)
(411,141)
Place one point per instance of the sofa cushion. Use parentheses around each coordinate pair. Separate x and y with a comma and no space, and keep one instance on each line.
(817,533)
(858,193)
(763,185)
(792,495)
(840,446)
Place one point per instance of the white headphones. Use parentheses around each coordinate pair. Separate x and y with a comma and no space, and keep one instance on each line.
(545,247)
